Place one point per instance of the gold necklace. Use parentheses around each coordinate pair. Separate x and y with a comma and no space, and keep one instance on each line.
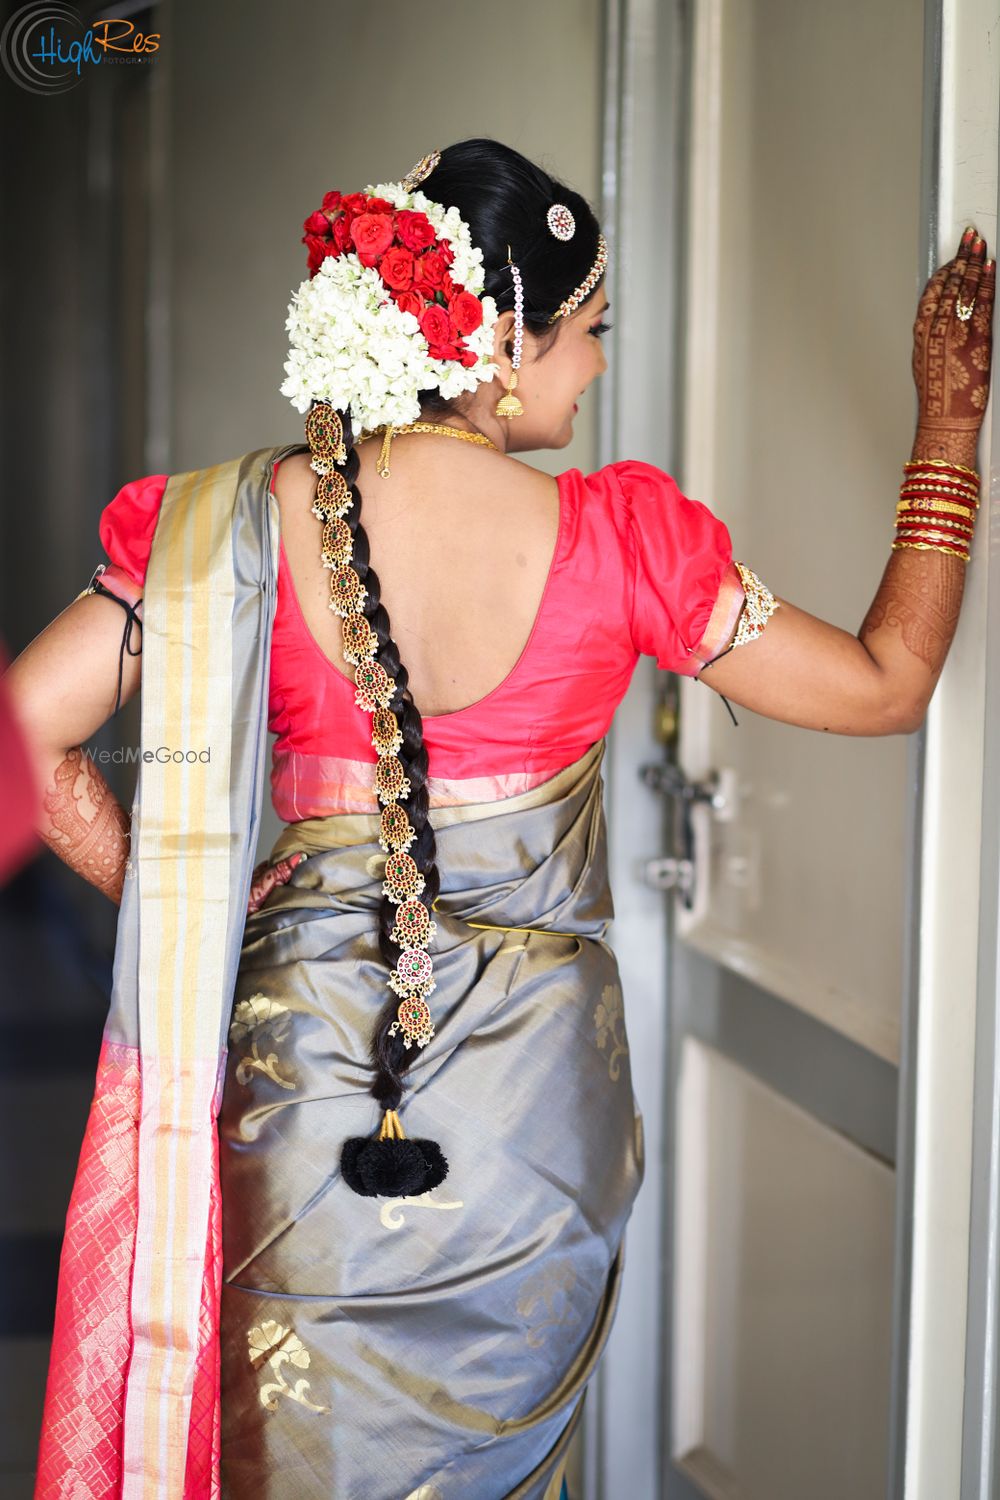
(390,432)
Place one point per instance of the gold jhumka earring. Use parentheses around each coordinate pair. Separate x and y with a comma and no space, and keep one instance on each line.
(509,406)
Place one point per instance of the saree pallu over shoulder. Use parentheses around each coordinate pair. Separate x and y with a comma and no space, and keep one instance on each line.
(433,1347)
(132,1400)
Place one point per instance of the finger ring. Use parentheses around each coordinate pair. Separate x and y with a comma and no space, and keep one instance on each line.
(964,311)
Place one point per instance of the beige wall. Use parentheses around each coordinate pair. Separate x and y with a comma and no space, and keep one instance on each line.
(270,105)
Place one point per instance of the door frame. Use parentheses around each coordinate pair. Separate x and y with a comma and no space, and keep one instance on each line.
(945,1439)
(946,1291)
(641,211)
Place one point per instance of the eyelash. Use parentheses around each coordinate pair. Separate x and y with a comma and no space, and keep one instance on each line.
(601,328)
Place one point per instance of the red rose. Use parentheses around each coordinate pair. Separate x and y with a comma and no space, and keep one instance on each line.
(331,202)
(371,234)
(342,233)
(319,248)
(443,351)
(409,302)
(414,230)
(445,251)
(428,273)
(378,206)
(466,312)
(396,268)
(468,359)
(354,203)
(317,223)
(449,287)
(436,326)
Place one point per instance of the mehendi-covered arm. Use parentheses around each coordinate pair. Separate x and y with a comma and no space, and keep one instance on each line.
(805,671)
(64,685)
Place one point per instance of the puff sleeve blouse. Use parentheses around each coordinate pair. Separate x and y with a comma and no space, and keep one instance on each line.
(637,569)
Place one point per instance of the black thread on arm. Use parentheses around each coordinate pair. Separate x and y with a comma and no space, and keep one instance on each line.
(97,587)
(730,647)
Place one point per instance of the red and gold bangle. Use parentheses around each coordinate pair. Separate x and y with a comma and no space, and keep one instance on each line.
(942,529)
(959,538)
(936,511)
(941,466)
(412,978)
(923,518)
(941,484)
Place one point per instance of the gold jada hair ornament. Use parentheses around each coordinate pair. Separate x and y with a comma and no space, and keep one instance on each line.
(390,1164)
(389,267)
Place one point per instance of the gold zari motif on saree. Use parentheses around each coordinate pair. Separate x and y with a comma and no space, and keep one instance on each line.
(253,1020)
(277,1346)
(609,1023)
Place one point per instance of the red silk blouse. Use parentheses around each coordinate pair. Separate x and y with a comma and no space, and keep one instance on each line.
(638,569)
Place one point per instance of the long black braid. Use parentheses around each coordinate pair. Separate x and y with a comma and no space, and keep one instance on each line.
(504,198)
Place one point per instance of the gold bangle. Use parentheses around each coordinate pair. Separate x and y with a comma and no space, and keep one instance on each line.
(933,503)
(946,492)
(938,463)
(930,547)
(940,544)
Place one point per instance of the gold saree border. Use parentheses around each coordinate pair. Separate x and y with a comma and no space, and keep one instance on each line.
(184,884)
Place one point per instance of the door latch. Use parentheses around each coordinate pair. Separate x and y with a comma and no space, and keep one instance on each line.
(669,874)
(676,871)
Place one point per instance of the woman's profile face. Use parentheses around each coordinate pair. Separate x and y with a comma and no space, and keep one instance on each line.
(550,383)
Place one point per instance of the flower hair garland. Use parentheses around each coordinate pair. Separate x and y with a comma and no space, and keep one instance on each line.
(393,305)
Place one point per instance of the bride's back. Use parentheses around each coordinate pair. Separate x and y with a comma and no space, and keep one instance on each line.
(461,541)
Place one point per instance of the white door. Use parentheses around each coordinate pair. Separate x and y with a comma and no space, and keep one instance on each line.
(813,1152)
(813,185)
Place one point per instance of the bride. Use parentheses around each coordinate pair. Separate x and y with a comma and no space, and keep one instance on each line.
(350,1209)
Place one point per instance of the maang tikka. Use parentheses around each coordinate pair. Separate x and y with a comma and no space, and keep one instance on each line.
(561,227)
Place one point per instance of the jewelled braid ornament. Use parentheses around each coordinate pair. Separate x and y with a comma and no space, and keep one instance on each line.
(390,1164)
(412,978)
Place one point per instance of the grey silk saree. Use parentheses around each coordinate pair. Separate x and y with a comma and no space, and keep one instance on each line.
(434,1347)
(231,1318)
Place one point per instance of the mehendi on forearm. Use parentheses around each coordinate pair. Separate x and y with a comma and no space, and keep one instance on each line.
(920,596)
(85,825)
